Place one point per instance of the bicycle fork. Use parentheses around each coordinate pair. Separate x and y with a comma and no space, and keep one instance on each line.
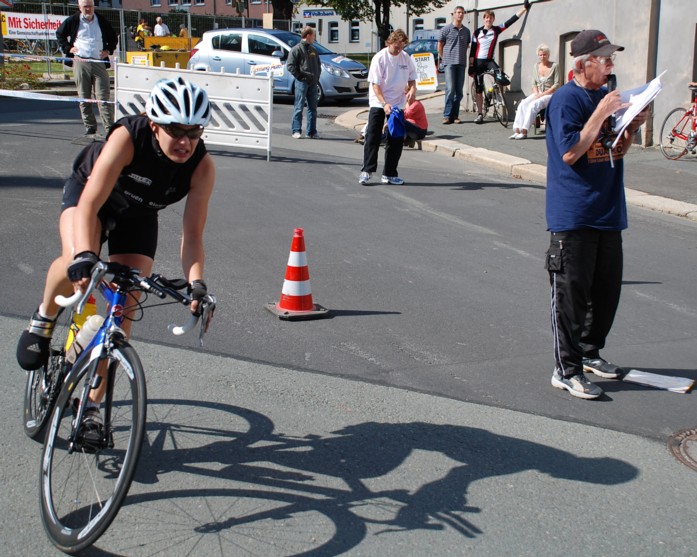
(93,381)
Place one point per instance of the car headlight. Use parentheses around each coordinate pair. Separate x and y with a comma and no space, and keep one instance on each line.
(335,71)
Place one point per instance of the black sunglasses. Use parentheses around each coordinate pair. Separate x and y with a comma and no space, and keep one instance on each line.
(177,132)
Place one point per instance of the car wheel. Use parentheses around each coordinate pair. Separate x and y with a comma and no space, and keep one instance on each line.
(321,97)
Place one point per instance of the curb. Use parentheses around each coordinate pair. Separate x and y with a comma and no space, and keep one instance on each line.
(520,168)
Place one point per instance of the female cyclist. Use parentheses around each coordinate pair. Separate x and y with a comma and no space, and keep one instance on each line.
(114,194)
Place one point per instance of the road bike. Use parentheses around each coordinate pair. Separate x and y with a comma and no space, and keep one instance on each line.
(679,130)
(85,475)
(493,96)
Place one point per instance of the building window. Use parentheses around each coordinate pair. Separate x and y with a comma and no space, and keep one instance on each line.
(440,22)
(255,2)
(354,31)
(173,2)
(200,2)
(418,24)
(297,26)
(333,31)
(155,3)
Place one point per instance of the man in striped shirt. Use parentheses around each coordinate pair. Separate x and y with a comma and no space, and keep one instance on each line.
(452,53)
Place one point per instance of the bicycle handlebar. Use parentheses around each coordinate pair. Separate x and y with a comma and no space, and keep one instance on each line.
(155,284)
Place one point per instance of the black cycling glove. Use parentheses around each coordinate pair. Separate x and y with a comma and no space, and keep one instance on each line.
(197,291)
(526,4)
(82,265)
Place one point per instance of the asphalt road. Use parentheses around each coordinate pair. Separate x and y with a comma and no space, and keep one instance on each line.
(436,288)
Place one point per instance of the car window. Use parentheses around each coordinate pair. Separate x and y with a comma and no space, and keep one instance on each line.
(232,41)
(264,46)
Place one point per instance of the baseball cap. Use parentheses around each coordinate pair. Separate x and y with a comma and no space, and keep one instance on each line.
(592,41)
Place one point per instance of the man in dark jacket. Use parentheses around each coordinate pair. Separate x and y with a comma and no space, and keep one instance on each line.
(89,39)
(304,64)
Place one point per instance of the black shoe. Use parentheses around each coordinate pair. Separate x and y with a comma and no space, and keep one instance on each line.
(603,368)
(34,343)
(90,131)
(91,431)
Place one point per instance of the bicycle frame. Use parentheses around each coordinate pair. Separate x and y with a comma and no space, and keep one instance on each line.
(109,333)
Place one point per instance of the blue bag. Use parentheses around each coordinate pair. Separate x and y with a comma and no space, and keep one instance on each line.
(395,123)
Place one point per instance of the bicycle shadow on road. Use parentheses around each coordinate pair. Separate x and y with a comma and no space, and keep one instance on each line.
(227,479)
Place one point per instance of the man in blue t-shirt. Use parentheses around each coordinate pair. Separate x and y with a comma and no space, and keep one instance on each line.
(586,213)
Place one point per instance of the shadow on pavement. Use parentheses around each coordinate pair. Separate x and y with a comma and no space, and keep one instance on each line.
(231,483)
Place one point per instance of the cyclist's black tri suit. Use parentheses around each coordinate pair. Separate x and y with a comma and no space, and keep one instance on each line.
(483,46)
(150,183)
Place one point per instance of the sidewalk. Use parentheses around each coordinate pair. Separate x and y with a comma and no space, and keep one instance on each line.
(651,180)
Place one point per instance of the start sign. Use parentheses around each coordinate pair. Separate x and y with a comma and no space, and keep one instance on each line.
(426,74)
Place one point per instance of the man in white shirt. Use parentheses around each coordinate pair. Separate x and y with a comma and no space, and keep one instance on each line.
(392,78)
(161,29)
(88,39)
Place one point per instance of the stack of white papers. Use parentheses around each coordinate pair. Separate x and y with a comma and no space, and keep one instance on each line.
(638,99)
(672,384)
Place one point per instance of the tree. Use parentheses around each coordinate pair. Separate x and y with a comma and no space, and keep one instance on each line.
(378,11)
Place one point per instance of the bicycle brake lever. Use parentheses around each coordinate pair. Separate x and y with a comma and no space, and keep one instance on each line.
(209,303)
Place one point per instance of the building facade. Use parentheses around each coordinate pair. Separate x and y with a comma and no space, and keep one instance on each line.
(657,35)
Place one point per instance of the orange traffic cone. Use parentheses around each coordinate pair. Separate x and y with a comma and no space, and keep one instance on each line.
(296,298)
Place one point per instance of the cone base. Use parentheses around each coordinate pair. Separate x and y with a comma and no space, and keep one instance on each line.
(288,315)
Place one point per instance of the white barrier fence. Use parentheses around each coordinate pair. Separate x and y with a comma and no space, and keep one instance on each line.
(242,106)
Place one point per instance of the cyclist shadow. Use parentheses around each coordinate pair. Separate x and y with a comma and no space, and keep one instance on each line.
(363,456)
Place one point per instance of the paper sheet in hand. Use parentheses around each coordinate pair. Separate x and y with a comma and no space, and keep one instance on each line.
(666,382)
(638,98)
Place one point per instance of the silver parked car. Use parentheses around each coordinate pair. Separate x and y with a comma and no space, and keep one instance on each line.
(256,51)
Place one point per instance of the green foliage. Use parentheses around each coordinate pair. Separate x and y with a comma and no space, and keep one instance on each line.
(378,11)
(18,75)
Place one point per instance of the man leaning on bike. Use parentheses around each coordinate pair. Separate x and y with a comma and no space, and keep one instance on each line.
(482,52)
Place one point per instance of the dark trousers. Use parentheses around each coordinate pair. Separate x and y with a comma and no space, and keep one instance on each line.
(393,148)
(585,272)
(413,131)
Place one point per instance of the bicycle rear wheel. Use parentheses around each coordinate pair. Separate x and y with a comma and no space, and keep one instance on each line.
(44,384)
(84,484)
(675,131)
(500,109)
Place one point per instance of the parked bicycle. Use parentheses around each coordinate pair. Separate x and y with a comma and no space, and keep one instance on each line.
(85,476)
(679,130)
(493,97)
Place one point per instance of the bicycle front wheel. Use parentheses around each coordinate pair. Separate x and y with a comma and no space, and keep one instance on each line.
(44,384)
(83,484)
(500,109)
(675,133)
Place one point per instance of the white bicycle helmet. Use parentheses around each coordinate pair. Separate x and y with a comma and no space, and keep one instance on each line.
(175,101)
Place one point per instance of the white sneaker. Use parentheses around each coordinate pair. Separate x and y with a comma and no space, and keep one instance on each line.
(297,135)
(520,136)
(394,180)
(514,136)
(364,178)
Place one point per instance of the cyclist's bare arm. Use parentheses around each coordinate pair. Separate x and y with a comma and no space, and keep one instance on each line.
(115,156)
(194,220)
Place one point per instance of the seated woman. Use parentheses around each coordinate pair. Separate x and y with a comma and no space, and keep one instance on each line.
(545,80)
(415,123)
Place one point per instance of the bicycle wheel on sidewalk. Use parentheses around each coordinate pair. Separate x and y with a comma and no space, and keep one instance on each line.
(675,133)
(83,482)
(499,103)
